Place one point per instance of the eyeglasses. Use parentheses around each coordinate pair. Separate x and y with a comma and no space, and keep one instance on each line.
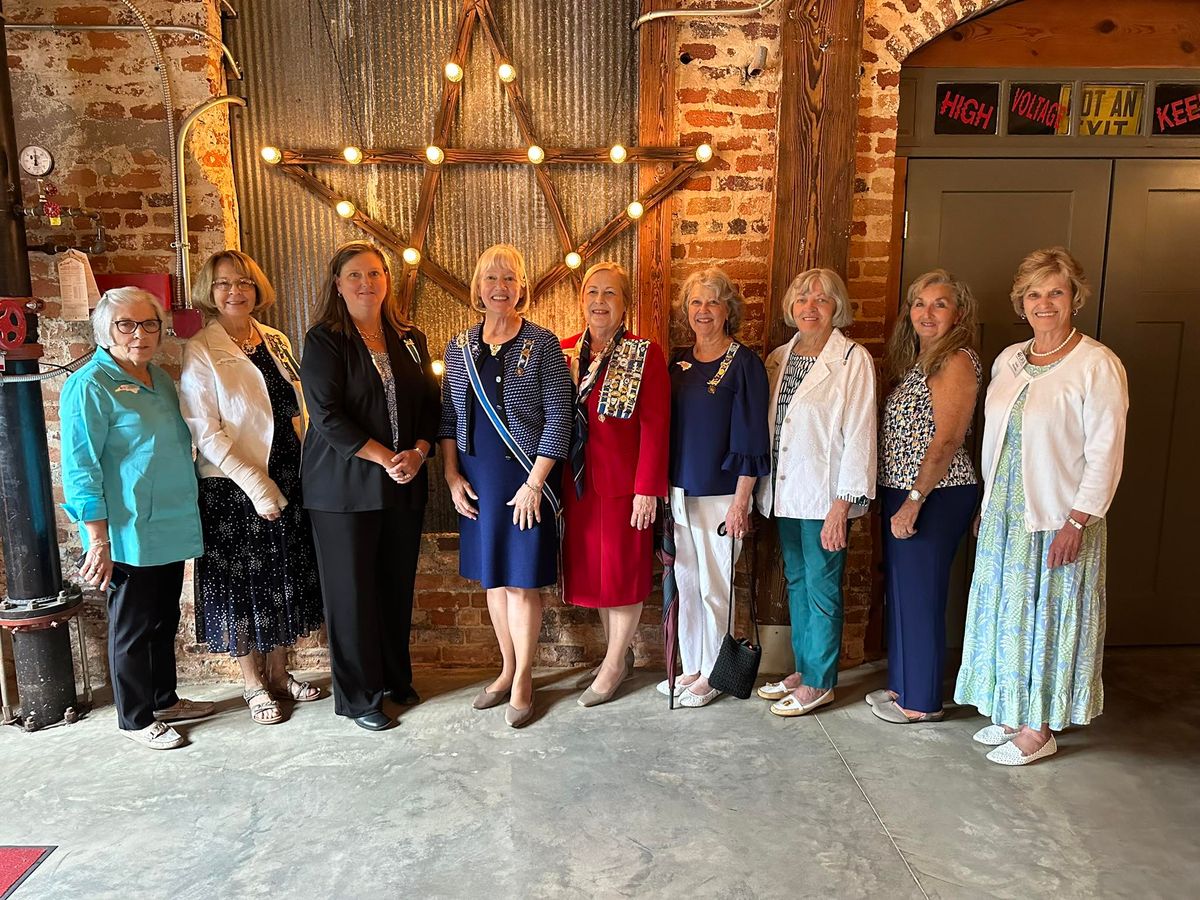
(129,326)
(245,285)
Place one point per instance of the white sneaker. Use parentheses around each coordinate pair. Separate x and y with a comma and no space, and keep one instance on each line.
(158,736)
(993,735)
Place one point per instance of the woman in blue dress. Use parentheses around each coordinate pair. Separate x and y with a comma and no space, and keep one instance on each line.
(1053,447)
(507,408)
(719,448)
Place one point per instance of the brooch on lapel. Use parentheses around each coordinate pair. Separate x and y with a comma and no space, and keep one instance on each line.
(411,346)
(684,365)
(526,353)
(132,388)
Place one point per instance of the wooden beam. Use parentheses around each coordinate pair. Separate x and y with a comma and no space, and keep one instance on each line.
(467,156)
(376,229)
(656,127)
(821,42)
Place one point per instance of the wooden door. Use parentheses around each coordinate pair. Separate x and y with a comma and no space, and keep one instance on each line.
(1150,315)
(979,219)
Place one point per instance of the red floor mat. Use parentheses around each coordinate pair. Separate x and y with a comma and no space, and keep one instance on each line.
(17,864)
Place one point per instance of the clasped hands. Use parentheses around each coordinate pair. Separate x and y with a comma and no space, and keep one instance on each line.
(404,466)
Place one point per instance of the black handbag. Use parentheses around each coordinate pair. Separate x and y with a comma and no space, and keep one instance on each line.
(736,669)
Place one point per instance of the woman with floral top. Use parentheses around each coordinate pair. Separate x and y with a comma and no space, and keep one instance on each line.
(822,421)
(929,486)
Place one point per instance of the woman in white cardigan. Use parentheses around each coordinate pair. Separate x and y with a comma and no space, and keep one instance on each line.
(1053,443)
(257,588)
(823,456)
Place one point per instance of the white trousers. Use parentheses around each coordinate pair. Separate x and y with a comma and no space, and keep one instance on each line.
(702,569)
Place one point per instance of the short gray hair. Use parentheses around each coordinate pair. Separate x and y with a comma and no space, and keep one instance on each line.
(111,300)
(727,293)
(830,284)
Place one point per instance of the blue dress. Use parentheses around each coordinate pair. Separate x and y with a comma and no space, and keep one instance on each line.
(492,550)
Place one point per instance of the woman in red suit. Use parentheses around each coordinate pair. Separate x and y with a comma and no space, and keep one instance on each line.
(618,471)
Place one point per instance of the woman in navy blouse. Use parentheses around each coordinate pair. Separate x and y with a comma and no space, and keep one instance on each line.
(507,410)
(719,448)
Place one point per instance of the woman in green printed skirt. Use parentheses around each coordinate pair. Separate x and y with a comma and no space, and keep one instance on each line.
(1053,442)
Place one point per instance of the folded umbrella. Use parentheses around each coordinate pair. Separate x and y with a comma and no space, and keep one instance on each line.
(670,604)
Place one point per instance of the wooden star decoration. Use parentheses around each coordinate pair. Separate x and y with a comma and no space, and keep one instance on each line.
(297,164)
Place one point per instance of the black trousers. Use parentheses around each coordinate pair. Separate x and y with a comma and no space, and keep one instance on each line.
(143,616)
(368,563)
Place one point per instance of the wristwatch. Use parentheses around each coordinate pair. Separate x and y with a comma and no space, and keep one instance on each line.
(916,496)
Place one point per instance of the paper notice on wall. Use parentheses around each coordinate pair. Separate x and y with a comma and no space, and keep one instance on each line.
(77,286)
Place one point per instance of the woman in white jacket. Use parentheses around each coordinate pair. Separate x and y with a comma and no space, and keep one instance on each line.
(1053,444)
(257,588)
(823,455)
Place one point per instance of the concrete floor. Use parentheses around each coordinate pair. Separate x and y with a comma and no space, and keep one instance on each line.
(622,800)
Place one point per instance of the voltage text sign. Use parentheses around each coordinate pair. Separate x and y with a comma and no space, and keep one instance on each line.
(1039,108)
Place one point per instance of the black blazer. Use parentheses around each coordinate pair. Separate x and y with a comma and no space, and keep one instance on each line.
(347,406)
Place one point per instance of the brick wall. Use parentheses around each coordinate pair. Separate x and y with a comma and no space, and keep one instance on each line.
(93,100)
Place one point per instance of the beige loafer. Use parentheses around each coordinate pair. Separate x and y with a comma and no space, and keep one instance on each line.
(486,699)
(791,706)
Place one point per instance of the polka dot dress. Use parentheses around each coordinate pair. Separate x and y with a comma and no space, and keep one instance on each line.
(256,584)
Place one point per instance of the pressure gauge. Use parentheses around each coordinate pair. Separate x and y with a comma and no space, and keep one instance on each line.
(36,161)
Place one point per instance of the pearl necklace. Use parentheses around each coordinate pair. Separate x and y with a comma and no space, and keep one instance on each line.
(1033,352)
(246,344)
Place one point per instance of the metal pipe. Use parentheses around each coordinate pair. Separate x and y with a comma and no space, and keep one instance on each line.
(199,33)
(185,271)
(673,13)
(6,710)
(28,535)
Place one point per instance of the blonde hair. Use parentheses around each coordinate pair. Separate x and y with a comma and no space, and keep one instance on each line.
(830,284)
(202,298)
(331,308)
(500,254)
(904,347)
(1040,265)
(622,280)
(727,295)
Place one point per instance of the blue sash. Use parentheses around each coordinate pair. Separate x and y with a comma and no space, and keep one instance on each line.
(502,429)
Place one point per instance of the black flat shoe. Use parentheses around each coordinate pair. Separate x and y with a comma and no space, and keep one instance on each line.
(406,697)
(373,721)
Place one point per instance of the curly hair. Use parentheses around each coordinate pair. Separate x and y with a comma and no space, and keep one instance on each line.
(1040,265)
(727,295)
(904,347)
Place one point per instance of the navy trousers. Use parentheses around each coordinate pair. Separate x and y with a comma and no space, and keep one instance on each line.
(918,578)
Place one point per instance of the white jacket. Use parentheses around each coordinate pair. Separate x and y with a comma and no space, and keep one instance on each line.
(223,398)
(827,444)
(1072,436)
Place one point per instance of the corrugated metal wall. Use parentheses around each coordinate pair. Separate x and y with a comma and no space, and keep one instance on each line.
(327,73)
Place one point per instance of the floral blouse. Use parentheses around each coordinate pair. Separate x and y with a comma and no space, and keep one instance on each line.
(908,429)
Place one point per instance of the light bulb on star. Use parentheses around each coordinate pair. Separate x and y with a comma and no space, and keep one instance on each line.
(573,260)
(352,155)
(411,256)
(635,210)
(434,154)
(453,71)
(439,368)
(345,209)
(704,153)
(536,154)
(618,153)
(506,72)
(271,155)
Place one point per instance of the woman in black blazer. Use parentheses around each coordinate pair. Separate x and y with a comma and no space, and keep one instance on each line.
(373,403)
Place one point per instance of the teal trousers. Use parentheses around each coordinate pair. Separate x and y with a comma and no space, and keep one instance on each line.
(814,579)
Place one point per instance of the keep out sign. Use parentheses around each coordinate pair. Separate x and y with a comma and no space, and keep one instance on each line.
(1177,109)
(1111,109)
(967,108)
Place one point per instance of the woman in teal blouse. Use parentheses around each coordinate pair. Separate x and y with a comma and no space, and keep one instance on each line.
(128,480)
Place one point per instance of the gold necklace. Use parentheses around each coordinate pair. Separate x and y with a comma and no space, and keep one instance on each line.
(370,335)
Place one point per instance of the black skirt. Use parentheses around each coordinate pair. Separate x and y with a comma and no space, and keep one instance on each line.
(256,584)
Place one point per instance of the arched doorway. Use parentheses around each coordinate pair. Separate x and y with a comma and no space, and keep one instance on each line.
(1055,122)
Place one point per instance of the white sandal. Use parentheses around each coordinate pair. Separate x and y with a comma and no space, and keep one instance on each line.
(694,701)
(993,735)
(1009,754)
(664,688)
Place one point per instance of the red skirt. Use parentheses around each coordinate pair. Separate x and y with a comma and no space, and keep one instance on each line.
(606,561)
